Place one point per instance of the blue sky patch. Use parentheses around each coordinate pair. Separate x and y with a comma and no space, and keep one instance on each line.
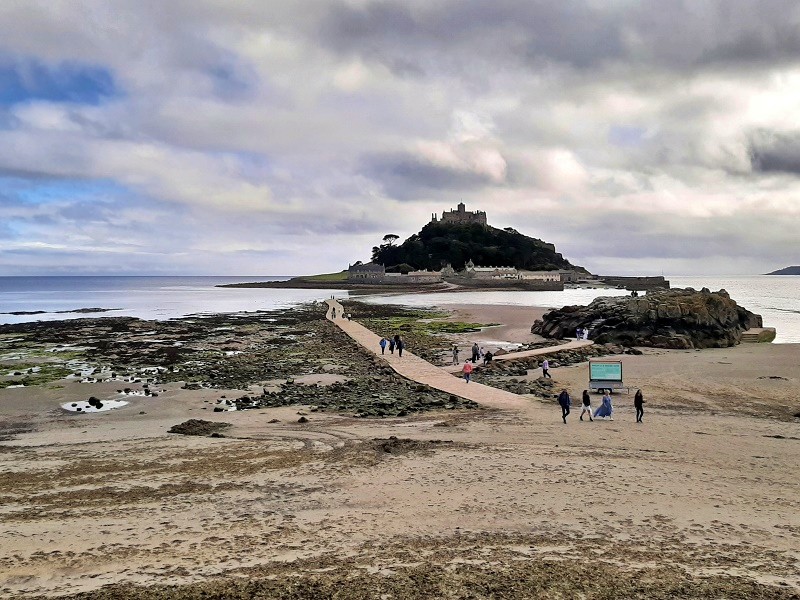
(47,191)
(626,135)
(22,80)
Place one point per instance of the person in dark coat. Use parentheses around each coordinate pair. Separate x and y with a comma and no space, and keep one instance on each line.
(638,403)
(398,342)
(476,351)
(587,405)
(391,345)
(487,358)
(565,401)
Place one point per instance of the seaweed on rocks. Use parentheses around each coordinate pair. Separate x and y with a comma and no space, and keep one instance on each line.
(379,393)
(397,446)
(240,351)
(426,332)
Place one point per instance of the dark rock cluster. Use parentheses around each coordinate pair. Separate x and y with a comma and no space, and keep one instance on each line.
(676,318)
(382,394)
(199,427)
(395,445)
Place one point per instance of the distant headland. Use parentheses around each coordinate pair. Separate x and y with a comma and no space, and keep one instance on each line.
(795,270)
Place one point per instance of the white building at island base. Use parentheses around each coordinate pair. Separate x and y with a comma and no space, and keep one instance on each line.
(539,275)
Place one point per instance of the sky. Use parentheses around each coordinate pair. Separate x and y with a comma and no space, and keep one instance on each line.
(220,137)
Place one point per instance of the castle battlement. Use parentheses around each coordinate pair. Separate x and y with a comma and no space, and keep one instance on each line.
(461,216)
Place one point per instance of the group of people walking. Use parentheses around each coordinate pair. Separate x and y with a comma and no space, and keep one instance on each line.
(394,343)
(478,353)
(604,411)
(343,315)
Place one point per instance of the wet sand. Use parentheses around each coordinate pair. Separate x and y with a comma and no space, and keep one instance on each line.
(700,500)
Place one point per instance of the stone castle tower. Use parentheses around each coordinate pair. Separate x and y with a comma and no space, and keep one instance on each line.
(461,216)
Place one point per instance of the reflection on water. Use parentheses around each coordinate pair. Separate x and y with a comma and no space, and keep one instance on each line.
(143,297)
(581,297)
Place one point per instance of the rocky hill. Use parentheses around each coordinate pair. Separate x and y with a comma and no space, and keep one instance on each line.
(439,244)
(795,270)
(676,318)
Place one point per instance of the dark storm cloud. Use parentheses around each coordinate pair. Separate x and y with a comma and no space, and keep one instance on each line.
(406,177)
(669,34)
(775,153)
(32,173)
(716,242)
(394,34)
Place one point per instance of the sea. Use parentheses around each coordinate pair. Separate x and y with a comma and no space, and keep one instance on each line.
(776,298)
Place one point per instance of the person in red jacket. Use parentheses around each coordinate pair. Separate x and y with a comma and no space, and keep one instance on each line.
(467,370)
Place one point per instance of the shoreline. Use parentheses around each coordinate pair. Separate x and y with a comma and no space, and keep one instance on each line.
(112,498)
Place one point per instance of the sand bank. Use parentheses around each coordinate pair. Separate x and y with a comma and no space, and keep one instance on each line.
(702,496)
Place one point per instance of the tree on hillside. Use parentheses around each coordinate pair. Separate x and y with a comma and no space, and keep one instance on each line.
(387,253)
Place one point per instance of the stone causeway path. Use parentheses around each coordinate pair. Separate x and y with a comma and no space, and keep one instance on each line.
(420,370)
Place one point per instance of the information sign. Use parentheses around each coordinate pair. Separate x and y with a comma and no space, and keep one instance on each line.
(605,371)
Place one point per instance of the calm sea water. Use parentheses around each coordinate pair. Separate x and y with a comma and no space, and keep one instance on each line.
(144,297)
(776,298)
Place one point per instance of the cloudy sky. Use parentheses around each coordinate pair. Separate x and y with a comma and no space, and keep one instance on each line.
(269,137)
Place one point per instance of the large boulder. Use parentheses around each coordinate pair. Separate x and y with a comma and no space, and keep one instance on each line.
(676,318)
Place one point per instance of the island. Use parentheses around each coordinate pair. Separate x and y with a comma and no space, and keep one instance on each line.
(794,270)
(460,250)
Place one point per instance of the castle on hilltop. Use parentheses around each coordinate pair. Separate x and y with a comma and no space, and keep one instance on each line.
(461,216)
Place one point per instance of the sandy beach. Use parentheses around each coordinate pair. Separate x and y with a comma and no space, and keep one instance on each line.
(699,500)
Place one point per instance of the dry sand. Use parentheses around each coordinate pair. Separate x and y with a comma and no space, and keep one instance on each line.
(701,498)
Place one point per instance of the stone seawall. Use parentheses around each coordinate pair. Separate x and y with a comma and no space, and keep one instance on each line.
(509,284)
(638,284)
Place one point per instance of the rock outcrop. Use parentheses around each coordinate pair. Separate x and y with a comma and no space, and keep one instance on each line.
(677,318)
